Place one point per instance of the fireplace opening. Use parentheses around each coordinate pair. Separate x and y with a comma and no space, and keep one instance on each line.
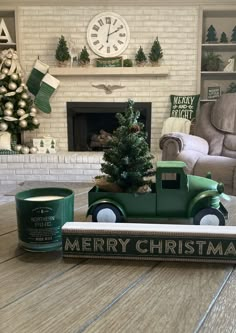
(91,124)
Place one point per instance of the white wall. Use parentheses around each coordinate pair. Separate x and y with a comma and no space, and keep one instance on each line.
(39,29)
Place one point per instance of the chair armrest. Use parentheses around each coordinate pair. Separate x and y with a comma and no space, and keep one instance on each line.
(174,143)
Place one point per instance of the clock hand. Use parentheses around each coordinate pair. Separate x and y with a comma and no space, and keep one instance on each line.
(108,33)
(114,31)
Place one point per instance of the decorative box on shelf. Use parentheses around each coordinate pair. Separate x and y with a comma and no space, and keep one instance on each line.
(45,145)
(109,62)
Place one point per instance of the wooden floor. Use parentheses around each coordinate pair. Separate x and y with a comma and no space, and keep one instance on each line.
(44,293)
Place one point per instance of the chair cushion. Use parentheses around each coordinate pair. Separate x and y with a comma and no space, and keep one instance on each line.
(229,146)
(206,130)
(223,113)
(222,169)
(184,106)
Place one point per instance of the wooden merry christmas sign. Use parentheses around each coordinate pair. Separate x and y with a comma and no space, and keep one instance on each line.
(149,241)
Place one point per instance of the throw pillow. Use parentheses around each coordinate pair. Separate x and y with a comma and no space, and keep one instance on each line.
(5,140)
(184,106)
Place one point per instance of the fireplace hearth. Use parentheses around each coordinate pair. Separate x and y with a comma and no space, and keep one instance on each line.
(90,123)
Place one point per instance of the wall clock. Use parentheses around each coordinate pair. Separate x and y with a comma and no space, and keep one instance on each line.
(108,34)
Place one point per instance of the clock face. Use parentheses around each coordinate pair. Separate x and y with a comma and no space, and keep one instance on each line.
(108,34)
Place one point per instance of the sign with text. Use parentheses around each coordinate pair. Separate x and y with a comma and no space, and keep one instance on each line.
(184,106)
(149,241)
(213,92)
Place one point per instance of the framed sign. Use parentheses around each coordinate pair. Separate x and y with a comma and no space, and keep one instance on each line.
(109,62)
(213,92)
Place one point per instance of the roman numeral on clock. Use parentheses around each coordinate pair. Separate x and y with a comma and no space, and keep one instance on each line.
(96,27)
(120,42)
(108,49)
(96,42)
(100,22)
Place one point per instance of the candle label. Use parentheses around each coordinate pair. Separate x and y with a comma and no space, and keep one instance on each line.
(42,225)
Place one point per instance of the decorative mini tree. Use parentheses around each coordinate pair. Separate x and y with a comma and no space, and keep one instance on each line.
(223,38)
(233,36)
(211,35)
(128,160)
(156,52)
(17,111)
(84,57)
(62,51)
(140,57)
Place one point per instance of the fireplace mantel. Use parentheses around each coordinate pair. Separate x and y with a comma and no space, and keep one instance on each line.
(109,71)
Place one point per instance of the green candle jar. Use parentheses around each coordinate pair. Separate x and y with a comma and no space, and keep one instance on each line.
(41,212)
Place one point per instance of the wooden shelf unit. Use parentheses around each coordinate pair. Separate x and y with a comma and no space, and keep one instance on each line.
(9,17)
(223,20)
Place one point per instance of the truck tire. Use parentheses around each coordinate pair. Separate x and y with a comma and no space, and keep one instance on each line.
(106,213)
(209,216)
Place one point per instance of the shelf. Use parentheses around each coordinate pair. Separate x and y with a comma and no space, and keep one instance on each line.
(7,44)
(219,44)
(226,47)
(207,100)
(219,74)
(109,71)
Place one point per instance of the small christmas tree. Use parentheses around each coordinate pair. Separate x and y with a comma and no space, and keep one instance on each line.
(128,161)
(223,38)
(62,51)
(211,35)
(17,111)
(156,51)
(233,36)
(84,57)
(140,56)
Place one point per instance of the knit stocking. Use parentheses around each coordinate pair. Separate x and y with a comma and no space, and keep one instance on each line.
(36,75)
(48,86)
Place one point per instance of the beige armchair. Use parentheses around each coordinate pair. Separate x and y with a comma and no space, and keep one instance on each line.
(213,145)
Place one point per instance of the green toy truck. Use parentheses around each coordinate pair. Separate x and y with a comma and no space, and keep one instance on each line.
(174,195)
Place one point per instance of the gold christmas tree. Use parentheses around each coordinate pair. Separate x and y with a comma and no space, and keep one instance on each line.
(17,111)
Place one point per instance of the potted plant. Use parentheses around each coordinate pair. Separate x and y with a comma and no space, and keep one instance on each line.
(211,62)
(62,52)
(127,63)
(84,59)
(140,57)
(155,53)
(231,88)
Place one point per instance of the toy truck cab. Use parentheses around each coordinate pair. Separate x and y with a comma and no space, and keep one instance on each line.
(174,195)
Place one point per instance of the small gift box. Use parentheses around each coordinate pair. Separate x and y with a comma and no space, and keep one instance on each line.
(45,145)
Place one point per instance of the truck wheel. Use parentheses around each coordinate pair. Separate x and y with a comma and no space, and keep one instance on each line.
(209,216)
(106,213)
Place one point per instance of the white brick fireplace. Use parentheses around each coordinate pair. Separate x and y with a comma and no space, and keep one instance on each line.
(39,28)
(177,30)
